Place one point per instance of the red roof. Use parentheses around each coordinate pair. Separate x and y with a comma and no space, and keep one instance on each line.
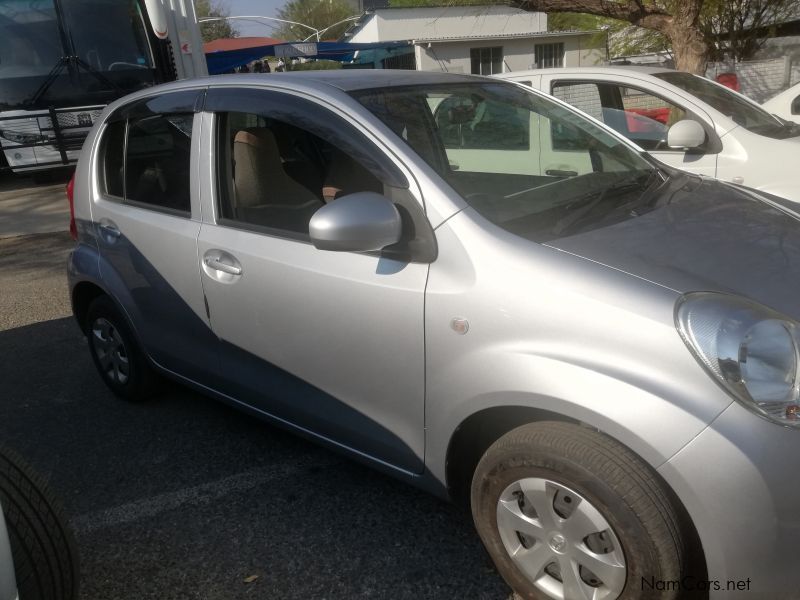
(238,43)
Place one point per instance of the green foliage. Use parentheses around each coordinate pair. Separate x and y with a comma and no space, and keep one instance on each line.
(731,28)
(623,38)
(568,21)
(319,14)
(315,65)
(415,3)
(215,29)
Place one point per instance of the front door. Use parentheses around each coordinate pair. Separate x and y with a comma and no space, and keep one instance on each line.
(640,115)
(331,342)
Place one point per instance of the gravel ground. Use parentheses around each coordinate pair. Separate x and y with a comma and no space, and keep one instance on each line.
(182,497)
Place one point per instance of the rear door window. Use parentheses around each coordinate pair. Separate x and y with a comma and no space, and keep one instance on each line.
(158,157)
(145,152)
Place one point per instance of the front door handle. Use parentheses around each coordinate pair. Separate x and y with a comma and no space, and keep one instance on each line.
(215,263)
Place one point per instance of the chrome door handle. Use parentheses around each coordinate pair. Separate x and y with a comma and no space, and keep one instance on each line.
(215,263)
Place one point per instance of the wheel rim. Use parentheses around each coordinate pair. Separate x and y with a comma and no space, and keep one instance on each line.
(560,541)
(110,350)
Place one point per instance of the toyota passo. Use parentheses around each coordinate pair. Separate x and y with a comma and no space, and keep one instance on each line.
(475,288)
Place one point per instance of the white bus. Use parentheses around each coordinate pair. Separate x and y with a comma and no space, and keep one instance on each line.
(62,61)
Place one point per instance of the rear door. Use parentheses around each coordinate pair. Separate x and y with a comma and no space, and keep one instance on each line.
(147,218)
(331,342)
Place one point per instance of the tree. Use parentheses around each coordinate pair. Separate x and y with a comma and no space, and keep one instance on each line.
(733,28)
(214,30)
(319,14)
(739,28)
(623,38)
(677,20)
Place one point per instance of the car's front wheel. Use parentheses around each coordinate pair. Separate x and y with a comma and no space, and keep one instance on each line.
(568,513)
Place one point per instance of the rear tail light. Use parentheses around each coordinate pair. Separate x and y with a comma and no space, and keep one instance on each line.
(73,228)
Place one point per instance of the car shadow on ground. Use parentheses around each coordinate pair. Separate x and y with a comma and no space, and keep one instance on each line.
(184,497)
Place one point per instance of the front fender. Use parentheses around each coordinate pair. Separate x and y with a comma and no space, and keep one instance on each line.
(652,420)
(557,334)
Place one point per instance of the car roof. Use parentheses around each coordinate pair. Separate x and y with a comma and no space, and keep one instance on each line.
(609,70)
(345,80)
(326,83)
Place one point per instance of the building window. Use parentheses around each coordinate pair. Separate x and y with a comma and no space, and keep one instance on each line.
(486,61)
(549,56)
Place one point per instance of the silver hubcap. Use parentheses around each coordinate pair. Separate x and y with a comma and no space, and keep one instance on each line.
(110,351)
(560,541)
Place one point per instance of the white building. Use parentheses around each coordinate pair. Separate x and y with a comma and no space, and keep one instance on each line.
(476,39)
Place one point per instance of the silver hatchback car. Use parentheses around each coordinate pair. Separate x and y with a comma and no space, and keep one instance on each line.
(475,288)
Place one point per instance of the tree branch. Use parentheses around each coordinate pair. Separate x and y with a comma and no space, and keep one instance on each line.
(633,11)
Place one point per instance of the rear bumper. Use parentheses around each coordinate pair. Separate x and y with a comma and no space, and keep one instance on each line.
(740,482)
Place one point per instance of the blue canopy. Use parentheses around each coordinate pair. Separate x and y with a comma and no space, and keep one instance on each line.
(227,60)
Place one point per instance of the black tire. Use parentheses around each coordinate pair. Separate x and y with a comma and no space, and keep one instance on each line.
(42,546)
(633,501)
(140,381)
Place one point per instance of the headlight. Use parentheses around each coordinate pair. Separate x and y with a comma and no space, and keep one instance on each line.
(22,138)
(751,350)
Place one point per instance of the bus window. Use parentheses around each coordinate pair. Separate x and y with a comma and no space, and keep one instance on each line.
(117,41)
(29,40)
(108,37)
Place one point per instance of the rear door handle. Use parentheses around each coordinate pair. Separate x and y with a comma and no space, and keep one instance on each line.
(109,232)
(215,263)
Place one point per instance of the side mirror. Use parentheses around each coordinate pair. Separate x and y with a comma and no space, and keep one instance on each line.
(358,222)
(796,106)
(686,134)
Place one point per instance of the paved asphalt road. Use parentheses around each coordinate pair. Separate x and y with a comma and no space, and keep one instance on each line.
(28,208)
(184,498)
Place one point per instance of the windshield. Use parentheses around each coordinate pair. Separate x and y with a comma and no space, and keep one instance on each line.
(740,111)
(524,162)
(108,37)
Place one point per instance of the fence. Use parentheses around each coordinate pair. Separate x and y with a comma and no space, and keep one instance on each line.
(760,79)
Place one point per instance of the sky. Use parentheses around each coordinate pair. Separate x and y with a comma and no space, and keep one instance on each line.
(266,8)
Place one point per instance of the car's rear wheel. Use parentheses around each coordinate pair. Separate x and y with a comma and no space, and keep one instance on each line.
(568,513)
(116,353)
(42,546)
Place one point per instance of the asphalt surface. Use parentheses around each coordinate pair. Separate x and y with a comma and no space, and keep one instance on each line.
(27,207)
(182,497)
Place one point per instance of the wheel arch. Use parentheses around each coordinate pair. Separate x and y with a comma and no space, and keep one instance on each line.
(477,432)
(83,294)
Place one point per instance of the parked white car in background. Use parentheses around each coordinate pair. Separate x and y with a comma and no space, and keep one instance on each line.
(684,120)
(786,104)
